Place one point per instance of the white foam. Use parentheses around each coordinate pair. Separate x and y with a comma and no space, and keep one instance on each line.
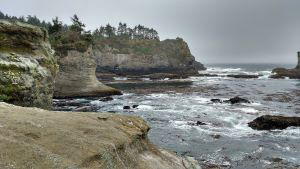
(120,78)
(248,110)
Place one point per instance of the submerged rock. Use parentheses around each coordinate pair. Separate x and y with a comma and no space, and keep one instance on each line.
(135,106)
(106,99)
(76,77)
(268,122)
(27,65)
(36,138)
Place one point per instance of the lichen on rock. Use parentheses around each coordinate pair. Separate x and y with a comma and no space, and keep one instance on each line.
(27,65)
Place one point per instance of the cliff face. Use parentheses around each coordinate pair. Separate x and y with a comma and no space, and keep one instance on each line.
(27,65)
(76,77)
(291,73)
(147,57)
(35,138)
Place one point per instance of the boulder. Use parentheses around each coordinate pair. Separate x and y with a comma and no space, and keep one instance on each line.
(27,65)
(268,122)
(36,138)
(76,77)
(126,107)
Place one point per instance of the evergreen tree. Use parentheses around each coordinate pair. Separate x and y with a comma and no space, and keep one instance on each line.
(77,25)
(57,26)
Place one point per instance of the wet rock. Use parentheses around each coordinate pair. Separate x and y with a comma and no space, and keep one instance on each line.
(106,99)
(86,109)
(244,76)
(198,123)
(291,73)
(268,122)
(135,106)
(126,107)
(236,100)
(216,100)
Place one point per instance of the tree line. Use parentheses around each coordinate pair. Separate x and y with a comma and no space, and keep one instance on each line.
(138,32)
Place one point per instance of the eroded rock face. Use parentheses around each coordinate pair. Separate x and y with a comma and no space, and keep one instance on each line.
(268,122)
(27,65)
(168,56)
(76,77)
(35,138)
(290,73)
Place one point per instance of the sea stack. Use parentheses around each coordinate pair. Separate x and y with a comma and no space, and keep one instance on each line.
(76,77)
(27,65)
(298,65)
(290,73)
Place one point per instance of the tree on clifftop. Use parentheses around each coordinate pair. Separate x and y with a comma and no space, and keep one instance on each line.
(56,26)
(77,25)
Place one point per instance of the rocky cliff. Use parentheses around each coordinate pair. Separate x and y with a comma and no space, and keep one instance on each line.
(291,73)
(139,57)
(27,65)
(36,138)
(76,77)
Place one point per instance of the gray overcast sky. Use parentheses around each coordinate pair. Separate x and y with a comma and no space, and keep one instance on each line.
(228,31)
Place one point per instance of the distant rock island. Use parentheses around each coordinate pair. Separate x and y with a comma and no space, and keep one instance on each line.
(290,73)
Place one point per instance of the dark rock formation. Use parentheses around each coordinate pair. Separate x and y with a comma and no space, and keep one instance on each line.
(268,122)
(106,99)
(27,65)
(135,106)
(35,138)
(126,107)
(168,56)
(236,100)
(244,76)
(291,73)
(76,77)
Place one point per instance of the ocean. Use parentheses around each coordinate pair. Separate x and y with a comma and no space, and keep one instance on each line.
(173,107)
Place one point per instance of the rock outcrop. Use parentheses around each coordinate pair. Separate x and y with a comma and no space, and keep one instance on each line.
(268,122)
(76,77)
(135,57)
(27,65)
(36,138)
(291,73)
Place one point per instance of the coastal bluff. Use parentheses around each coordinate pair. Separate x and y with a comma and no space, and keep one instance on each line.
(27,65)
(36,138)
(142,57)
(290,73)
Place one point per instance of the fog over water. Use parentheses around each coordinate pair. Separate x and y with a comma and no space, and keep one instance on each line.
(218,31)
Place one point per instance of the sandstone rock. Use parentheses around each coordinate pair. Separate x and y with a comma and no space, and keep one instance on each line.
(168,56)
(27,65)
(76,77)
(36,138)
(268,122)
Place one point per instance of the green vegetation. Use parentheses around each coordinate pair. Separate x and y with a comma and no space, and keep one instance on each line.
(138,39)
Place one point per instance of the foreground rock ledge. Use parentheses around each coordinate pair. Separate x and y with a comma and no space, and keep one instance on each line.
(36,138)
